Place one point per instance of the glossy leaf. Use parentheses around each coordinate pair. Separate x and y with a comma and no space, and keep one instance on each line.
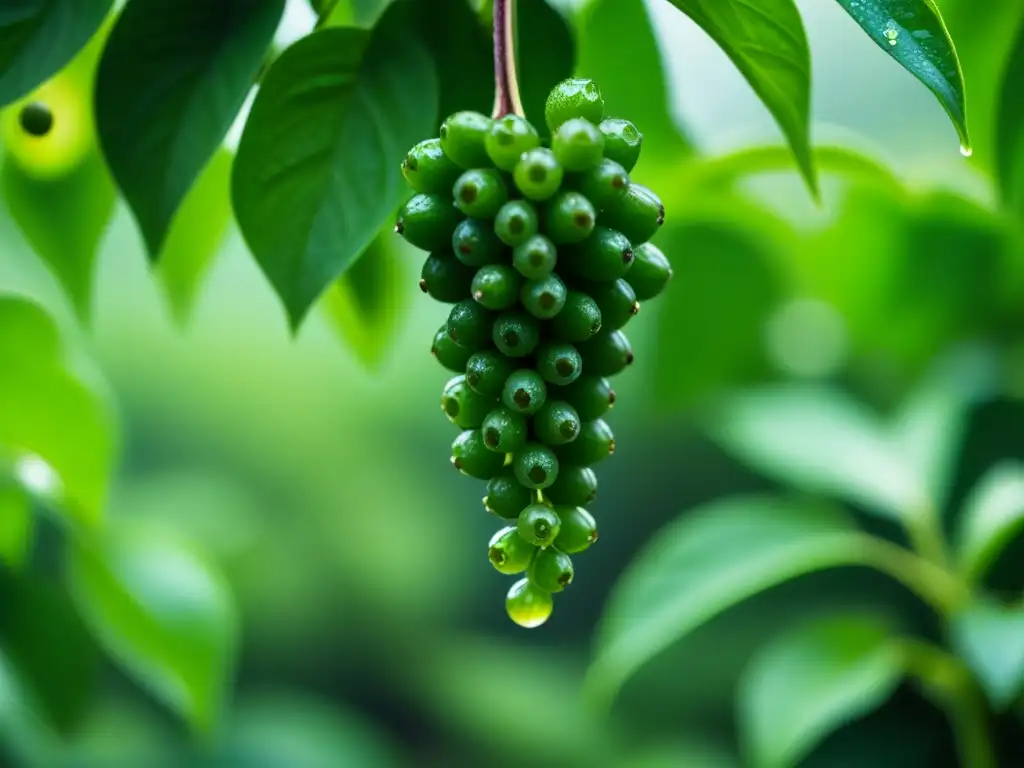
(702,564)
(608,25)
(173,77)
(162,612)
(16,525)
(820,441)
(725,279)
(196,236)
(913,33)
(461,50)
(39,37)
(990,639)
(365,304)
(1010,129)
(992,515)
(318,169)
(767,43)
(812,680)
(551,59)
(63,220)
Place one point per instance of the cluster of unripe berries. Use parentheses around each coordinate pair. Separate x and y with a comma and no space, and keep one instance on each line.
(542,247)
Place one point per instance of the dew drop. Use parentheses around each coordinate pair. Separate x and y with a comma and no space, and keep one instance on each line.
(891,32)
(966,150)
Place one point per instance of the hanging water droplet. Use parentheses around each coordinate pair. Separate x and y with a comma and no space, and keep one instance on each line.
(966,150)
(891,32)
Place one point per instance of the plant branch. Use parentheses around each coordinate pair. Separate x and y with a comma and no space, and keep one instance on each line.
(932,583)
(506,84)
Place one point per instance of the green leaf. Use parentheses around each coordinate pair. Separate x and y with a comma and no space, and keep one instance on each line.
(724,278)
(913,33)
(24,736)
(365,304)
(639,90)
(819,440)
(704,563)
(17,524)
(461,49)
(196,236)
(52,421)
(813,679)
(767,43)
(990,639)
(1010,129)
(173,77)
(318,169)
(162,612)
(64,220)
(992,515)
(39,37)
(549,55)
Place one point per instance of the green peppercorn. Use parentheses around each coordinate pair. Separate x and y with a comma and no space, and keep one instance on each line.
(621,142)
(524,391)
(617,302)
(575,487)
(591,396)
(506,496)
(606,354)
(559,363)
(603,184)
(650,272)
(448,353)
(638,214)
(538,174)
(463,138)
(595,443)
(472,457)
(516,334)
(578,144)
(543,298)
(487,371)
(469,325)
(427,221)
(475,244)
(577,529)
(504,430)
(496,286)
(579,319)
(528,605)
(480,193)
(464,407)
(429,170)
(509,552)
(538,524)
(536,466)
(516,222)
(551,570)
(573,98)
(569,218)
(556,423)
(605,254)
(445,278)
(535,257)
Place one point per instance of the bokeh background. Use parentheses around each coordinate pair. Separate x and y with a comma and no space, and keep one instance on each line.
(374,630)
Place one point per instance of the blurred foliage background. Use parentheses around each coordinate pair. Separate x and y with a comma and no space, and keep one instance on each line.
(313,471)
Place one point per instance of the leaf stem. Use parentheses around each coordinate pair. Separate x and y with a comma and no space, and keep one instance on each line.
(931,582)
(506,83)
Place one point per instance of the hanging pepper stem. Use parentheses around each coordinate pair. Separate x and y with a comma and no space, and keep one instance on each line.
(506,84)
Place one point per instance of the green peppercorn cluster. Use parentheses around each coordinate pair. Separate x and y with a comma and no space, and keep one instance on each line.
(542,248)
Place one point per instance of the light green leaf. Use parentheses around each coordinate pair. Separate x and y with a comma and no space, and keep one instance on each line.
(318,168)
(196,236)
(767,43)
(913,33)
(990,639)
(365,304)
(702,564)
(1010,129)
(63,219)
(162,612)
(820,441)
(39,37)
(16,525)
(813,679)
(607,25)
(992,515)
(173,77)
(27,334)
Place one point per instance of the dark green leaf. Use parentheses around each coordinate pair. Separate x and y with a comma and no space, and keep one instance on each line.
(724,278)
(993,514)
(547,55)
(913,33)
(24,738)
(318,169)
(767,43)
(196,235)
(365,304)
(173,77)
(633,85)
(64,220)
(990,639)
(1010,129)
(16,525)
(820,441)
(461,49)
(702,564)
(813,679)
(39,37)
(162,612)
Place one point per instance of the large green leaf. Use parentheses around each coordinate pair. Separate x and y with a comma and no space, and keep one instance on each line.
(196,235)
(820,441)
(162,612)
(39,37)
(365,304)
(609,25)
(64,220)
(16,525)
(992,515)
(702,564)
(548,55)
(461,49)
(990,639)
(1010,129)
(27,334)
(711,319)
(173,77)
(318,168)
(913,33)
(811,680)
(767,43)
